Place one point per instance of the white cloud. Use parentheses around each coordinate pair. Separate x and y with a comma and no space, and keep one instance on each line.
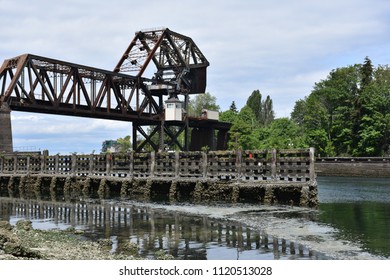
(64,134)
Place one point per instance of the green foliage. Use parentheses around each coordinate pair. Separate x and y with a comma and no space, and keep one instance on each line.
(233,108)
(254,102)
(247,133)
(262,109)
(268,114)
(124,144)
(283,133)
(228,116)
(255,127)
(241,130)
(348,113)
(107,144)
(121,145)
(201,102)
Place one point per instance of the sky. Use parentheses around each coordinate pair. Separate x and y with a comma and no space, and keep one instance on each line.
(280,47)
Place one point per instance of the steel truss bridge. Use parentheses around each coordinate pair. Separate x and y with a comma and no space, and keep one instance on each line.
(39,84)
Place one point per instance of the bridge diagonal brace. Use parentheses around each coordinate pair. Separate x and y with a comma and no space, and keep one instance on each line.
(148,138)
(18,63)
(39,77)
(83,90)
(148,101)
(175,135)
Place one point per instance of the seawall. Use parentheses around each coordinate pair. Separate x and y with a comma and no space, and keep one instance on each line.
(375,167)
(269,177)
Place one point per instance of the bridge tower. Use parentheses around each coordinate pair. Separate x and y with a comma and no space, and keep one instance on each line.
(5,129)
(179,71)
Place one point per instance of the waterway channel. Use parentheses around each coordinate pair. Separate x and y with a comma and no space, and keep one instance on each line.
(352,222)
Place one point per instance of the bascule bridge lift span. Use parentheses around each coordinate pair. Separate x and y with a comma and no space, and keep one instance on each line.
(39,84)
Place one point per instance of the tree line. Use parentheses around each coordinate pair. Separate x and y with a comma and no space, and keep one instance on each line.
(346,114)
(255,126)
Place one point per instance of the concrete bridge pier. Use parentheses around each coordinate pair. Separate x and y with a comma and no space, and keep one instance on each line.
(5,129)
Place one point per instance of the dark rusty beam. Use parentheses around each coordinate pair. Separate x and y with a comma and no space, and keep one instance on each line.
(173,54)
(147,137)
(151,54)
(39,84)
(59,87)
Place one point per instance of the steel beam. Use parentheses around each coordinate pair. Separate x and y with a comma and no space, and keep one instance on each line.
(39,84)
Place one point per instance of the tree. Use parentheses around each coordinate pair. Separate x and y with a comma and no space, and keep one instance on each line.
(328,115)
(374,128)
(124,144)
(248,124)
(201,102)
(348,113)
(267,110)
(367,71)
(254,102)
(233,108)
(299,112)
(283,133)
(107,144)
(241,133)
(247,115)
(263,110)
(228,116)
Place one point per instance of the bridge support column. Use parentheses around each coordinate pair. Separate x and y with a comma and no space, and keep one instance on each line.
(5,129)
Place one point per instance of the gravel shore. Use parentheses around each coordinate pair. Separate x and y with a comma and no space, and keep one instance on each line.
(23,242)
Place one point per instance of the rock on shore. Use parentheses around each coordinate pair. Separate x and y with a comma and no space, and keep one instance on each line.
(23,242)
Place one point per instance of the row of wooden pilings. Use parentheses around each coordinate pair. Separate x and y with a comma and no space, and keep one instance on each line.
(73,188)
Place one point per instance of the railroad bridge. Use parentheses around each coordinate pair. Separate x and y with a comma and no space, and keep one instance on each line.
(157,107)
(32,83)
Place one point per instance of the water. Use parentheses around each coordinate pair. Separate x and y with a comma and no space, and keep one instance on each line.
(352,222)
(360,210)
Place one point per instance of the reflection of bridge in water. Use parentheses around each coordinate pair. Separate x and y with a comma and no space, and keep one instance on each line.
(183,236)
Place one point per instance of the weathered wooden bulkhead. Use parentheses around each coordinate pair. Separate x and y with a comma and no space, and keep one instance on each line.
(268,176)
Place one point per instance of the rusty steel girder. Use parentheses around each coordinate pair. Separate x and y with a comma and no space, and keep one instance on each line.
(39,84)
(180,65)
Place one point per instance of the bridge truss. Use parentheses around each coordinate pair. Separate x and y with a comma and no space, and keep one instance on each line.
(39,84)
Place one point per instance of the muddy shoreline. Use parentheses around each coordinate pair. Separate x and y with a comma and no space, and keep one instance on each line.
(22,242)
(296,225)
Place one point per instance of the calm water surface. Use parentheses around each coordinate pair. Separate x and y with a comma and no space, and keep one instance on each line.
(359,208)
(353,221)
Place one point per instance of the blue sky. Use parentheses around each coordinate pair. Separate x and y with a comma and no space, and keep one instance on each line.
(279,47)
